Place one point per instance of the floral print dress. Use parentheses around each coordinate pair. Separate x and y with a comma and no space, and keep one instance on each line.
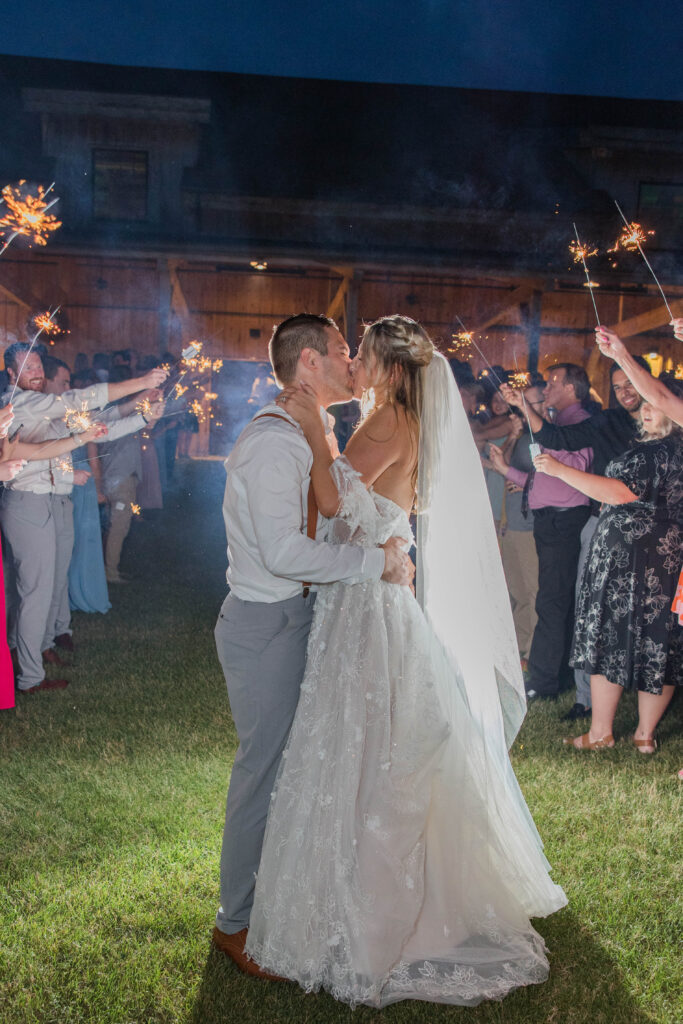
(626,628)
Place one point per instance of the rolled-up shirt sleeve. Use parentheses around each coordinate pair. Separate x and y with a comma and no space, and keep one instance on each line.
(276,516)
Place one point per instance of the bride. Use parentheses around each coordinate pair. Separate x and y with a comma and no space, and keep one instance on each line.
(400,860)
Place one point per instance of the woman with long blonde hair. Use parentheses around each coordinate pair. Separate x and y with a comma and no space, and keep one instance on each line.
(400,860)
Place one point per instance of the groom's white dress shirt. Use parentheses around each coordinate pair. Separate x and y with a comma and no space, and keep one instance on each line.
(265,505)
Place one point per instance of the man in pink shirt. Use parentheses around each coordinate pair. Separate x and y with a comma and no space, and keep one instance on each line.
(560,513)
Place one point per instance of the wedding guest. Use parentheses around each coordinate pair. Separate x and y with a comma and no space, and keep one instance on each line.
(559,514)
(518,549)
(655,392)
(608,433)
(36,511)
(100,365)
(497,432)
(627,636)
(121,474)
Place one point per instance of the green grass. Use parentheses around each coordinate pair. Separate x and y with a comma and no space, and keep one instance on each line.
(111,805)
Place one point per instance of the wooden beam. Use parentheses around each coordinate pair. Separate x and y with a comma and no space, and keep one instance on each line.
(657,317)
(521,294)
(13,297)
(337,305)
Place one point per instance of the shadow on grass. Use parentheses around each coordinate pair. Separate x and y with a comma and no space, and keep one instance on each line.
(585,987)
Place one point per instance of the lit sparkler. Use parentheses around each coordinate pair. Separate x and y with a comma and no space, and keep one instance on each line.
(144,407)
(519,381)
(135,509)
(473,342)
(34,339)
(580,254)
(27,215)
(462,342)
(65,465)
(78,420)
(180,389)
(632,238)
(534,446)
(48,325)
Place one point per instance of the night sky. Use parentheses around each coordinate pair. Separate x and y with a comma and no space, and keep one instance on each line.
(629,49)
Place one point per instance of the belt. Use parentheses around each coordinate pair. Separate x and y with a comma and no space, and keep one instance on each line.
(548,509)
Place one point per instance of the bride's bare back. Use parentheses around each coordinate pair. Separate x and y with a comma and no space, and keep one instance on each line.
(384,451)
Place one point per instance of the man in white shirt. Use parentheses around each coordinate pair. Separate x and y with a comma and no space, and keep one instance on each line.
(36,512)
(263,627)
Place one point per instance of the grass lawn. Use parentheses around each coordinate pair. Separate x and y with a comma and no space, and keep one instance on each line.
(111,804)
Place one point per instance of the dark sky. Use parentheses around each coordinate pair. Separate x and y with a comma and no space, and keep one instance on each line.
(629,48)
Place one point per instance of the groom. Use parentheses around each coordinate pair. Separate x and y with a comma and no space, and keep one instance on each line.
(263,627)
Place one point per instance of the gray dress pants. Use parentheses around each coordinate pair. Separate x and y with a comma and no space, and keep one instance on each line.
(262,650)
(582,679)
(38,536)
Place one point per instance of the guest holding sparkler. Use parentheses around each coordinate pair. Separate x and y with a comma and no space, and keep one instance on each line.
(121,474)
(608,433)
(559,514)
(517,546)
(36,512)
(627,636)
(653,391)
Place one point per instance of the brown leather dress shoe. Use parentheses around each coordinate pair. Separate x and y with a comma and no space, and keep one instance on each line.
(65,641)
(50,657)
(233,946)
(47,684)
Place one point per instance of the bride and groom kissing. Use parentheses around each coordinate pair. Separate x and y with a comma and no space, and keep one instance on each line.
(376,842)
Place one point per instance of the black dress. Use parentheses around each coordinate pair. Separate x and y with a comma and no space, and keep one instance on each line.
(625,628)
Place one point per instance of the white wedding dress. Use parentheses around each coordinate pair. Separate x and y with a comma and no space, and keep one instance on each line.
(400,860)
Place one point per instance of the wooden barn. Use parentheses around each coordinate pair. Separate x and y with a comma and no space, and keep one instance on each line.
(210,206)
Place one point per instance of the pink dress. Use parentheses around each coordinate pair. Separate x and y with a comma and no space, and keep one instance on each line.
(6,670)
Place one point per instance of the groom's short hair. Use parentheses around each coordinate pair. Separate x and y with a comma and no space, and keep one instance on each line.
(291,337)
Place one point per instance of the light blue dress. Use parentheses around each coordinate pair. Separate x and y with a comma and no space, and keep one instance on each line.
(87,582)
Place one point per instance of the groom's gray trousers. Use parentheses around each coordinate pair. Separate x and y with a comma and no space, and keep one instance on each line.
(262,650)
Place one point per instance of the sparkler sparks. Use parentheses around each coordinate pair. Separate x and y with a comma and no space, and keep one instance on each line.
(78,420)
(135,509)
(580,252)
(462,343)
(144,407)
(180,389)
(65,465)
(27,215)
(47,324)
(632,238)
(519,381)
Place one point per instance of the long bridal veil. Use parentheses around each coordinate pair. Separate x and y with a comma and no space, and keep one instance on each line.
(460,582)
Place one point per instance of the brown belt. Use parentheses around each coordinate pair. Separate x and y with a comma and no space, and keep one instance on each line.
(312,513)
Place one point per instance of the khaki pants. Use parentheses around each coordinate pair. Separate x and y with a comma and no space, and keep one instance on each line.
(120,499)
(520,563)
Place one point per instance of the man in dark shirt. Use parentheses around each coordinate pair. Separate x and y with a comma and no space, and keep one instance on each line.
(609,433)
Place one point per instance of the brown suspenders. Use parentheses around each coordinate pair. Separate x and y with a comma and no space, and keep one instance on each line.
(312,513)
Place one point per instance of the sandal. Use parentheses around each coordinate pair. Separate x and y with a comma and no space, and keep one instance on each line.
(639,744)
(605,743)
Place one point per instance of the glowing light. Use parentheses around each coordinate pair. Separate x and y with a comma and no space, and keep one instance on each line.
(581,252)
(144,407)
(27,215)
(678,372)
(631,238)
(591,284)
(46,324)
(462,342)
(180,389)
(135,509)
(258,264)
(519,381)
(65,465)
(78,420)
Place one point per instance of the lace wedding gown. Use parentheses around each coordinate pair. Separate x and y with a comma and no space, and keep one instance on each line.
(400,860)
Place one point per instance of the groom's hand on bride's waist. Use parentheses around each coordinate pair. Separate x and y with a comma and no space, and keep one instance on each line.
(398,568)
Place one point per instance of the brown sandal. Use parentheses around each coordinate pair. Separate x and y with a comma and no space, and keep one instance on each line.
(638,744)
(605,743)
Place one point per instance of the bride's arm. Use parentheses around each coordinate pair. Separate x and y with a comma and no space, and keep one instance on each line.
(371,450)
(301,405)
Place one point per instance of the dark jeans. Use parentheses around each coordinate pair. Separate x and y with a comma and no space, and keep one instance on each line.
(557,533)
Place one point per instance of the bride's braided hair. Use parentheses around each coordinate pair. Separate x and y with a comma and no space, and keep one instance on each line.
(402,349)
